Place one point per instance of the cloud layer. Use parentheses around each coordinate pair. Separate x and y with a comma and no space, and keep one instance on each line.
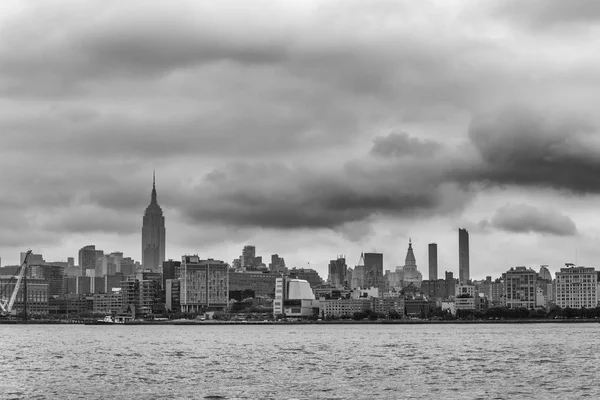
(523,218)
(277,117)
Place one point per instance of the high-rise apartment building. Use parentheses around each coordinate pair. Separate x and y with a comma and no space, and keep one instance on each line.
(153,234)
(463,256)
(433,262)
(577,287)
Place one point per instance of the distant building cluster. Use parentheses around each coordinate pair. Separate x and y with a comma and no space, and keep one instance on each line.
(110,283)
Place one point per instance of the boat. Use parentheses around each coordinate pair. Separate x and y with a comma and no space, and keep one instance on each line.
(108,320)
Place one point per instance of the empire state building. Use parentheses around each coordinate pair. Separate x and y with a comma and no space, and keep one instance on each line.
(153,234)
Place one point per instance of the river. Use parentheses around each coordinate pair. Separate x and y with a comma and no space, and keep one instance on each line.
(482,361)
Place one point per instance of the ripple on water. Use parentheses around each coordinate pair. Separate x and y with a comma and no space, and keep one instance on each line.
(321,362)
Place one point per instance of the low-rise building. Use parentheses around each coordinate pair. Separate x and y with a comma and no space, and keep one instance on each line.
(37,294)
(108,302)
(343,307)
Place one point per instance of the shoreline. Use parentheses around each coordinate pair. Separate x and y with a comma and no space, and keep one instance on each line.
(338,322)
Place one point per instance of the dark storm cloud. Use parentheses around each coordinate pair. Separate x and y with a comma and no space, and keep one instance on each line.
(400,144)
(546,14)
(523,218)
(276,196)
(528,147)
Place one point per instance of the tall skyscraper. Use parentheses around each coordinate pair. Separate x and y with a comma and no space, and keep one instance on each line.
(433,262)
(153,234)
(463,256)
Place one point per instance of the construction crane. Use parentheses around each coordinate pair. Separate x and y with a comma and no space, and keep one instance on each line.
(6,305)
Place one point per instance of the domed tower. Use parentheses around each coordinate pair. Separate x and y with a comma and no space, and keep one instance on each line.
(153,233)
(411,274)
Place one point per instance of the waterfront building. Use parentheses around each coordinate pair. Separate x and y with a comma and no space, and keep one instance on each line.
(37,295)
(463,256)
(70,304)
(261,283)
(577,287)
(130,292)
(153,234)
(107,302)
(337,271)
(344,307)
(465,303)
(387,305)
(53,274)
(373,273)
(204,284)
(173,295)
(433,262)
(520,287)
(294,298)
(418,307)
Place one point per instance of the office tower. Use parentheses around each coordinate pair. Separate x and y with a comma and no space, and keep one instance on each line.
(463,256)
(433,262)
(337,271)
(248,256)
(70,262)
(204,284)
(411,274)
(373,269)
(153,234)
(87,259)
(277,264)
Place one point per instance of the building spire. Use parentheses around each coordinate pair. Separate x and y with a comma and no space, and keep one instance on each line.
(154,188)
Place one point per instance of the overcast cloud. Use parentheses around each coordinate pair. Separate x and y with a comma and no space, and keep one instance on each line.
(310,129)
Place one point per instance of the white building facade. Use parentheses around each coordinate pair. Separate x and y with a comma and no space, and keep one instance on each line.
(576,287)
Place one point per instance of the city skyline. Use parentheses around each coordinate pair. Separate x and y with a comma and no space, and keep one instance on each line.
(296,132)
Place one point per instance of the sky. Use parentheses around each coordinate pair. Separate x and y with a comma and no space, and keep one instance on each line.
(309,129)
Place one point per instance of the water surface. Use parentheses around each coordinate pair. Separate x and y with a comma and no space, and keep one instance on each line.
(499,361)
